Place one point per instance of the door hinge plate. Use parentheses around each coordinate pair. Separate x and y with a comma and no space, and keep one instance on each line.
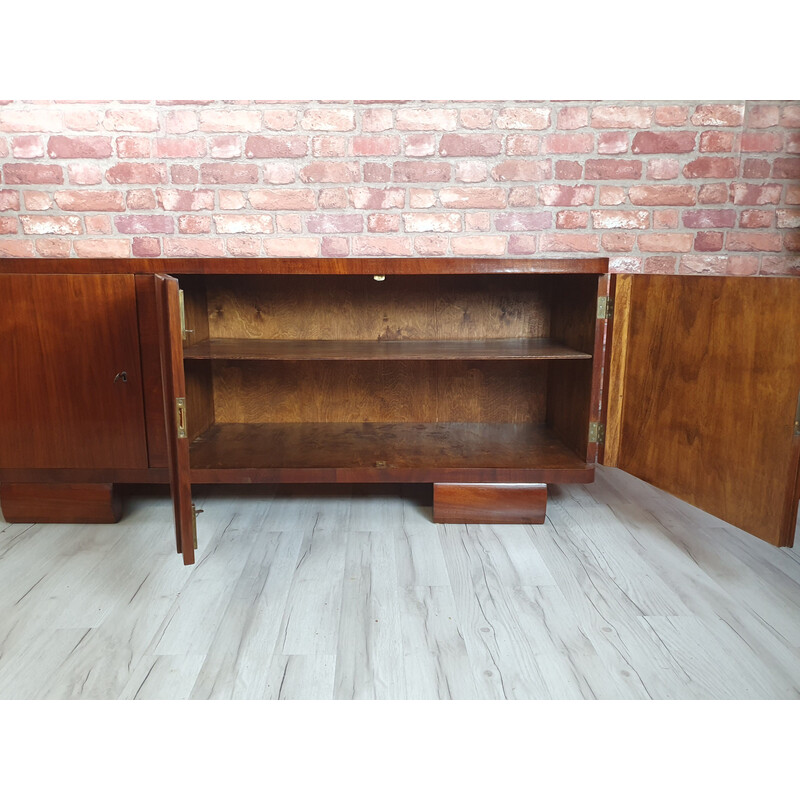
(195,513)
(180,416)
(605,307)
(797,417)
(597,433)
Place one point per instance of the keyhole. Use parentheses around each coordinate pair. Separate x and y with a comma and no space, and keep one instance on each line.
(121,376)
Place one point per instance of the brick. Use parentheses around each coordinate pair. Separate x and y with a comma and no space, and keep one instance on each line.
(475,118)
(375,146)
(786,168)
(97,223)
(243,223)
(80,119)
(231,200)
(663,169)
(225,147)
(569,243)
(9,200)
(763,116)
(757,218)
(375,120)
(183,147)
(329,146)
(703,265)
(335,247)
(102,248)
(477,221)
(367,197)
(21,174)
(419,144)
(569,171)
(756,168)
(222,173)
(779,265)
(288,223)
(793,194)
(381,246)
(335,223)
(276,147)
(522,171)
(27,147)
(144,223)
(279,174)
(756,194)
(283,199)
(522,144)
(761,242)
(665,218)
(375,172)
(534,119)
(230,121)
(681,195)
(567,195)
(431,245)
(791,241)
(8,225)
(280,119)
(455,197)
(328,119)
(15,248)
(134,147)
(180,122)
(471,171)
(88,200)
(790,116)
(572,219)
(521,244)
(383,223)
(128,119)
(135,173)
(788,218)
(185,199)
(60,226)
(470,144)
(572,117)
(709,218)
(523,197)
(53,248)
(30,120)
(612,195)
(647,142)
(426,119)
(478,245)
(3,147)
(37,201)
(611,143)
(717,142)
(742,265)
(524,221)
(718,115)
(621,219)
(79,147)
(192,223)
(708,241)
(762,142)
(711,193)
(204,247)
(793,143)
(621,117)
(671,116)
(612,169)
(421,198)
(332,197)
(568,143)
(665,242)
(330,172)
(617,242)
(421,172)
(439,223)
(660,265)
(243,246)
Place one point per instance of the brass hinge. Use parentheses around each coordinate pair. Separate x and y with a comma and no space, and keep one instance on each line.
(182,306)
(605,307)
(180,416)
(597,433)
(797,418)
(195,513)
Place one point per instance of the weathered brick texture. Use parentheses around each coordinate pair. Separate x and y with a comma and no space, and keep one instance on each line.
(689,186)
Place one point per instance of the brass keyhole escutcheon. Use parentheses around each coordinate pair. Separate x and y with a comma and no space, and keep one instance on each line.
(121,377)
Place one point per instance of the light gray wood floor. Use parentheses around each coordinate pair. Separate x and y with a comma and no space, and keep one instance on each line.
(332,592)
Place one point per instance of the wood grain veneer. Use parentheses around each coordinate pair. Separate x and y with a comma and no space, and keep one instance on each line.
(490,503)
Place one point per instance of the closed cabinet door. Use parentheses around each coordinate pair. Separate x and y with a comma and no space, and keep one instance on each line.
(70,375)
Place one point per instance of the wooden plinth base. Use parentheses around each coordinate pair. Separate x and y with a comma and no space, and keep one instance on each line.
(60,502)
(489,502)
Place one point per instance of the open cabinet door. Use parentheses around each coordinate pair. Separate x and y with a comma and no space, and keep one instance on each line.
(174,383)
(703,395)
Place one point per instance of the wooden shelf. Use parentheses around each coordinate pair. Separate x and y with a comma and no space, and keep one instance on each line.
(365,350)
(416,445)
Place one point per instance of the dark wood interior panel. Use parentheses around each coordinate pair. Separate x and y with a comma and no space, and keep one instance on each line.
(199,397)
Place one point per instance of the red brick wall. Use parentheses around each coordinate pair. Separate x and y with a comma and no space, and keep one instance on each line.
(679,186)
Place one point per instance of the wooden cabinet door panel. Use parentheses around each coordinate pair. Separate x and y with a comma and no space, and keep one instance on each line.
(70,375)
(704,392)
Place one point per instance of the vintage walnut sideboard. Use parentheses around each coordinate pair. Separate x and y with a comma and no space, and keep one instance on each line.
(487,378)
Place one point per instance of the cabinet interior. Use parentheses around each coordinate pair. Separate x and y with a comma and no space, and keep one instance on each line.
(441,371)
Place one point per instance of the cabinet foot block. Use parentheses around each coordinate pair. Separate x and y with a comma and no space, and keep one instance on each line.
(517,503)
(70,503)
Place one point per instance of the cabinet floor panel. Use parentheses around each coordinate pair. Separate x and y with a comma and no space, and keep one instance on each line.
(369,350)
(368,451)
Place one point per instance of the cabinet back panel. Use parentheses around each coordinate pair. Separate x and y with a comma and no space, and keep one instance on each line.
(391,391)
(358,307)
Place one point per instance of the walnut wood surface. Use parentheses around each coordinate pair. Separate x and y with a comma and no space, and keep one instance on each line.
(361,350)
(64,339)
(490,503)
(711,379)
(71,503)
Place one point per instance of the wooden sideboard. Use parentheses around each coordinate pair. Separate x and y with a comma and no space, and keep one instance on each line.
(488,379)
